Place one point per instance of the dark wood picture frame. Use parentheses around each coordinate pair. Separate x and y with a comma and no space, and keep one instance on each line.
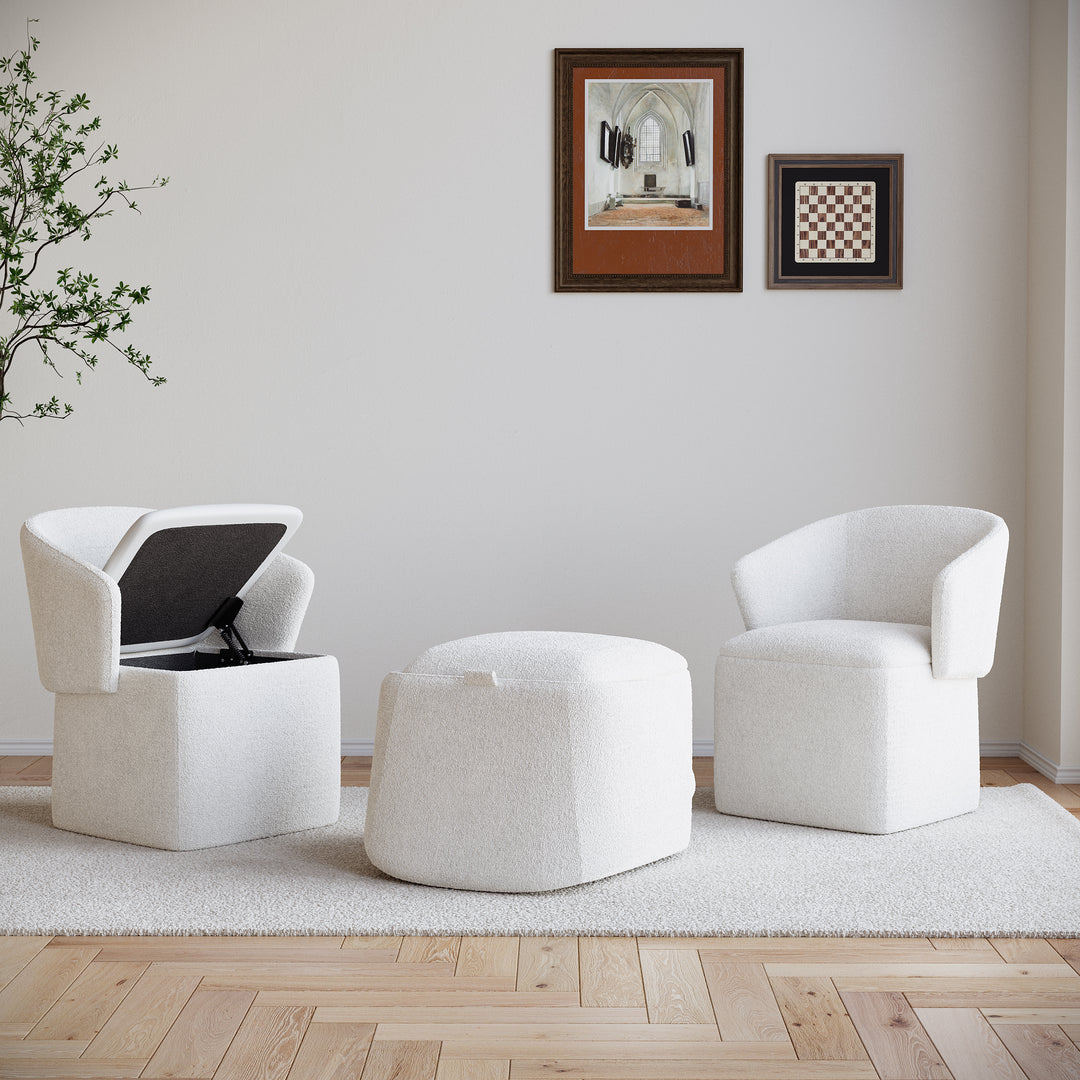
(643,259)
(791,264)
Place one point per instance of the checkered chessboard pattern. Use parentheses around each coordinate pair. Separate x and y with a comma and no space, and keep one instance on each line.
(835,222)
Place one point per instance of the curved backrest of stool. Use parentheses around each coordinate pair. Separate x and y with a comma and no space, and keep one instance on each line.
(75,607)
(937,566)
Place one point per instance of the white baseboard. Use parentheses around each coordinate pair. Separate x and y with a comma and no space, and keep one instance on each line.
(1059,774)
(999,749)
(25,748)
(357,747)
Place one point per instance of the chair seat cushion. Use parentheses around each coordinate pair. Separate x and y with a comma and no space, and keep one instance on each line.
(551,656)
(836,643)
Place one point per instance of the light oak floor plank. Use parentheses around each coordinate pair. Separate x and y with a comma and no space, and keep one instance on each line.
(1026,951)
(815,950)
(89,1001)
(538,1034)
(237,954)
(996,778)
(76,1069)
(893,1037)
(377,943)
(402,1061)
(182,948)
(1055,1017)
(929,973)
(479,1014)
(429,950)
(743,1001)
(1029,995)
(627,1069)
(349,971)
(16,953)
(196,1043)
(472,1069)
(675,987)
(969,1045)
(140,1022)
(32,992)
(1006,763)
(488,957)
(980,946)
(1068,949)
(1043,1051)
(610,973)
(42,1049)
(817,1021)
(265,1045)
(332,1052)
(287,981)
(500,999)
(660,1053)
(13,764)
(548,964)
(923,984)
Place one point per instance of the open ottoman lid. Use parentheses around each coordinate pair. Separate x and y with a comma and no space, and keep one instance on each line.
(176,568)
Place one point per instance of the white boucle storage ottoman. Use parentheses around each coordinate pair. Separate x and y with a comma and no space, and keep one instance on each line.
(161,739)
(531,760)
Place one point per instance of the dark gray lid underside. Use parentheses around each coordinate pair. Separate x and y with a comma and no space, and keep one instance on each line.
(180,577)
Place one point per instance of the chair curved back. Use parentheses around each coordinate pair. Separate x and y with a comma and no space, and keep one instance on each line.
(937,566)
(75,607)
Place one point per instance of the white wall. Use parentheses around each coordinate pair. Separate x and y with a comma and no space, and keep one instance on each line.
(354,319)
(1052,693)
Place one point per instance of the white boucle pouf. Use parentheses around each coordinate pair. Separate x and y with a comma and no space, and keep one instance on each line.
(532,760)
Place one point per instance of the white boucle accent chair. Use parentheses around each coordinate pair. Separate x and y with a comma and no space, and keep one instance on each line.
(530,761)
(850,702)
(170,757)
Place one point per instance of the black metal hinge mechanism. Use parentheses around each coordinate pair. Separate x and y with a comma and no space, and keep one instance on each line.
(238,652)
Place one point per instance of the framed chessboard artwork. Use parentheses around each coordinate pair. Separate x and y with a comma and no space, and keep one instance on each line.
(836,221)
(648,170)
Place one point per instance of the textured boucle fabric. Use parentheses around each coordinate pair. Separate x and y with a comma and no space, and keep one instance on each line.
(75,607)
(844,747)
(177,759)
(836,642)
(1011,868)
(851,702)
(193,759)
(550,654)
(937,566)
(574,763)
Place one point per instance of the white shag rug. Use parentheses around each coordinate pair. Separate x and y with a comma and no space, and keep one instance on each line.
(1012,868)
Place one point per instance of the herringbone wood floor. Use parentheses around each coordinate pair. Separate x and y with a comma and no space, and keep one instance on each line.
(517,1009)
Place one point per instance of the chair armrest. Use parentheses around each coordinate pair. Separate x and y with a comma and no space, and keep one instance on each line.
(275,605)
(966,605)
(75,610)
(798,577)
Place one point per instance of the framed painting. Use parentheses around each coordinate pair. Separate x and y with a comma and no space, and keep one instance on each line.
(836,221)
(658,207)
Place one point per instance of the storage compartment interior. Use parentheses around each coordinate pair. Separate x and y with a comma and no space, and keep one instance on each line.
(199,661)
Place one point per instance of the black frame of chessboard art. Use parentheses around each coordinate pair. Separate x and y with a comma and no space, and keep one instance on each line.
(886,272)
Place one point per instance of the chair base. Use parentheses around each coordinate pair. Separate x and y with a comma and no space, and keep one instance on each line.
(195,759)
(862,749)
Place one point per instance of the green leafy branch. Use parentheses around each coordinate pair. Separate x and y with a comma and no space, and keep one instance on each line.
(43,155)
